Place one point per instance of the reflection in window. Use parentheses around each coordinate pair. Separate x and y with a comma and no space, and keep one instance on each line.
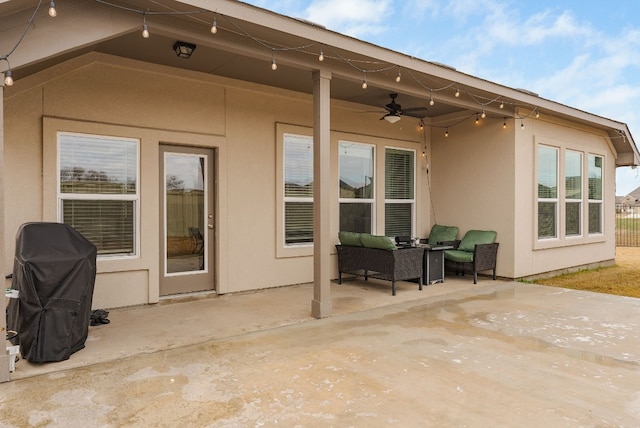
(573,192)
(356,186)
(595,194)
(98,190)
(547,191)
(298,189)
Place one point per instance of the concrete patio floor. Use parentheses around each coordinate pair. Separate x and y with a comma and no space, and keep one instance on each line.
(496,354)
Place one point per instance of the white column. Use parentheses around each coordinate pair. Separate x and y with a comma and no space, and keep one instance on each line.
(321,303)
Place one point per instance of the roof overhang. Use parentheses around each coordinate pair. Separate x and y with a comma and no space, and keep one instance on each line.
(249,39)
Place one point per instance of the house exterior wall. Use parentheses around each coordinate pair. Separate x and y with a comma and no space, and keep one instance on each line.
(543,257)
(99,94)
(472,174)
(484,177)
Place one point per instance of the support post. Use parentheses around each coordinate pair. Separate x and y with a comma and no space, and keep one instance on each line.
(321,303)
(4,354)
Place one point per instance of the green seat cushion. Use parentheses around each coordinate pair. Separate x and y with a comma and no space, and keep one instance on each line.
(381,242)
(473,237)
(459,256)
(441,233)
(350,238)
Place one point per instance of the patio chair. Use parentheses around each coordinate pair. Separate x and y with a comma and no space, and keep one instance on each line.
(477,251)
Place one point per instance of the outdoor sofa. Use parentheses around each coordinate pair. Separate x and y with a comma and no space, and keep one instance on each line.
(371,256)
(477,251)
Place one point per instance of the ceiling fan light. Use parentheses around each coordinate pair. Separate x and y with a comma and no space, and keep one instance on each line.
(391,118)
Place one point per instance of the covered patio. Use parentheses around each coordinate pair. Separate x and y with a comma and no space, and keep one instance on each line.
(496,354)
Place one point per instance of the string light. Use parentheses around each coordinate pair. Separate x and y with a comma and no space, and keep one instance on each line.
(267,44)
(521,124)
(504,124)
(145,29)
(214,26)
(477,120)
(537,114)
(52,9)
(421,124)
(483,115)
(446,133)
(8,78)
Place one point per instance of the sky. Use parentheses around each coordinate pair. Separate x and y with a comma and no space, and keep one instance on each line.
(582,53)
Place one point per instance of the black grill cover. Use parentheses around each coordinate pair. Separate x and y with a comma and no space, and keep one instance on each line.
(55,271)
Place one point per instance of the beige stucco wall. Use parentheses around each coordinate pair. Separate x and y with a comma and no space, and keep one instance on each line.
(482,180)
(539,257)
(472,174)
(113,96)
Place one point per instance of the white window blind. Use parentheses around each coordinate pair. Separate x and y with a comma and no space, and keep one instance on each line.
(98,190)
(547,192)
(399,192)
(298,189)
(595,194)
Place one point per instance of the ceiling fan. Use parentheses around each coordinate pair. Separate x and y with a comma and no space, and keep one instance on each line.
(395,111)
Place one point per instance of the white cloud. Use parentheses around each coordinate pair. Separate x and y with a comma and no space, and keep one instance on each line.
(356,18)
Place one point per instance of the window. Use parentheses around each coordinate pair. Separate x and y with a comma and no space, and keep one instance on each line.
(298,189)
(98,192)
(573,192)
(595,194)
(574,210)
(547,192)
(399,192)
(356,186)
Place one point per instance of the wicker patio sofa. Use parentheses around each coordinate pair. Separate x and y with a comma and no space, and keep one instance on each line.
(477,252)
(362,254)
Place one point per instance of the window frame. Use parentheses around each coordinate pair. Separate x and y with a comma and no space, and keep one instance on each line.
(563,238)
(548,200)
(133,197)
(577,201)
(373,178)
(592,201)
(294,199)
(411,201)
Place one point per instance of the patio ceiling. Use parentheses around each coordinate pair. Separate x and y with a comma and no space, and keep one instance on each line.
(244,50)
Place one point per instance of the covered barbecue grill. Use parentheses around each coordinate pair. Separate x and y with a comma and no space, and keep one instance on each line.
(54,270)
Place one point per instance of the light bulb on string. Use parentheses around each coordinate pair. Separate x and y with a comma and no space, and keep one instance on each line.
(501,104)
(537,114)
(431,101)
(483,115)
(446,133)
(477,120)
(145,29)
(52,9)
(521,124)
(421,124)
(504,124)
(398,77)
(214,26)
(8,78)
(457,94)
(274,66)
(321,56)
(364,82)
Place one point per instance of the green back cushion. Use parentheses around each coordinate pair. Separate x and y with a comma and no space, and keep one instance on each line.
(473,237)
(350,238)
(372,241)
(441,233)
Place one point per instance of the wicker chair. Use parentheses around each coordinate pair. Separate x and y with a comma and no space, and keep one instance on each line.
(477,251)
